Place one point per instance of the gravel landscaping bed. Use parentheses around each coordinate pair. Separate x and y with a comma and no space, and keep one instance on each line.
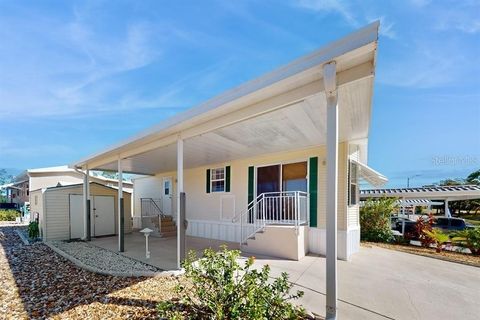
(37,283)
(451,256)
(103,259)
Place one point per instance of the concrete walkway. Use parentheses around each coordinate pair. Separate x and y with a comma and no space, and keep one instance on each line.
(385,284)
(376,284)
(163,251)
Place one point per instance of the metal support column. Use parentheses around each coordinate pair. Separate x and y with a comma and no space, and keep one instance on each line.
(329,78)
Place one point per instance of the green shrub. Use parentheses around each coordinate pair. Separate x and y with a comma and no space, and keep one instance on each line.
(439,238)
(423,226)
(469,238)
(221,288)
(33,230)
(375,219)
(8,214)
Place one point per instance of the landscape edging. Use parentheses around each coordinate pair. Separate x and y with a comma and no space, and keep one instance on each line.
(82,265)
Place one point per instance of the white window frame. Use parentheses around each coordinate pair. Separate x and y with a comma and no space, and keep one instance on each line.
(212,180)
(352,181)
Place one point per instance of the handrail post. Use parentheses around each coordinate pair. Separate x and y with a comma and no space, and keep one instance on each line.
(241,228)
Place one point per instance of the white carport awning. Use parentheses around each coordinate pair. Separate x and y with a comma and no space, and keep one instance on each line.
(368,174)
(284,110)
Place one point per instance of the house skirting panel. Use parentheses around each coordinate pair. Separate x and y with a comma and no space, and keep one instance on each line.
(348,242)
(219,230)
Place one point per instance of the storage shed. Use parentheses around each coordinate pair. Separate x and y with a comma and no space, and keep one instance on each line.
(60,211)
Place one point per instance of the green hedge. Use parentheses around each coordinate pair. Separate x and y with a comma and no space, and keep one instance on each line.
(8,214)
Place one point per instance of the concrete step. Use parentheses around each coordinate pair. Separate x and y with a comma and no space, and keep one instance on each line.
(165,228)
(168,223)
(278,241)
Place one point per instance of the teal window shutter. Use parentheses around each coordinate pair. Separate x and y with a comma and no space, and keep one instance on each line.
(208,180)
(313,190)
(227,179)
(250,184)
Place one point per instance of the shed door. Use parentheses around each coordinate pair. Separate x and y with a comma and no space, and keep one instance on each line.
(76,216)
(104,215)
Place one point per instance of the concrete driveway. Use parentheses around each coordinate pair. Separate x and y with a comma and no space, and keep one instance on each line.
(385,284)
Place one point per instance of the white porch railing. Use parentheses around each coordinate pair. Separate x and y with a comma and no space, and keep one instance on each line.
(151,214)
(273,208)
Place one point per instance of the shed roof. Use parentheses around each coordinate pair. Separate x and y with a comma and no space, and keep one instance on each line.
(76,185)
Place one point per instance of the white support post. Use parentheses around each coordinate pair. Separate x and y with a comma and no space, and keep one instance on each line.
(447,210)
(121,216)
(330,82)
(179,191)
(403,216)
(86,204)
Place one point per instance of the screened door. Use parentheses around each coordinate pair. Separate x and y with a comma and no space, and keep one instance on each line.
(268,182)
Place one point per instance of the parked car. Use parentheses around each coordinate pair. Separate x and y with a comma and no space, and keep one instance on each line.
(452,224)
(409,225)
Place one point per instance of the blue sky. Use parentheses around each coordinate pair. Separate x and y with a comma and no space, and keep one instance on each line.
(77,76)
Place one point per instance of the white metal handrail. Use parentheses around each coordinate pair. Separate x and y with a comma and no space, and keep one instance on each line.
(273,208)
(150,209)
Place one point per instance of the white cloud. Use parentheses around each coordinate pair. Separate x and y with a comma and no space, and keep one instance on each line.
(354,15)
(65,63)
(421,67)
(330,6)
(463,16)
(386,27)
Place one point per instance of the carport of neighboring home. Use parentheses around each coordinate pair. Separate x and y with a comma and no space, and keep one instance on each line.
(272,155)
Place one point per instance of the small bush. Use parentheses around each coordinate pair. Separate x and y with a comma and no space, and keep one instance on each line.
(469,238)
(8,214)
(375,219)
(220,288)
(438,237)
(33,230)
(423,226)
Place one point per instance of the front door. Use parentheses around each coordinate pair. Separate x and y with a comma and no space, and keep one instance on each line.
(104,215)
(275,181)
(167,192)
(268,182)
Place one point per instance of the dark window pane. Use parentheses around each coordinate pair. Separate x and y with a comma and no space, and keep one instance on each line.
(218,186)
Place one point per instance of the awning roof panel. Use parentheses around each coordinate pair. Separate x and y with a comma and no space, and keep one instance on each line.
(461,192)
(371,176)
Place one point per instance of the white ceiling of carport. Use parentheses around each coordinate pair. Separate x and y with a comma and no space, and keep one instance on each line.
(291,128)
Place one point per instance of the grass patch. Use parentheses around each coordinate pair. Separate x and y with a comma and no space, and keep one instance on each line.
(472,219)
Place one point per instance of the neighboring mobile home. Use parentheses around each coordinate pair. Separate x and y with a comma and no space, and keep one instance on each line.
(273,164)
(61,215)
